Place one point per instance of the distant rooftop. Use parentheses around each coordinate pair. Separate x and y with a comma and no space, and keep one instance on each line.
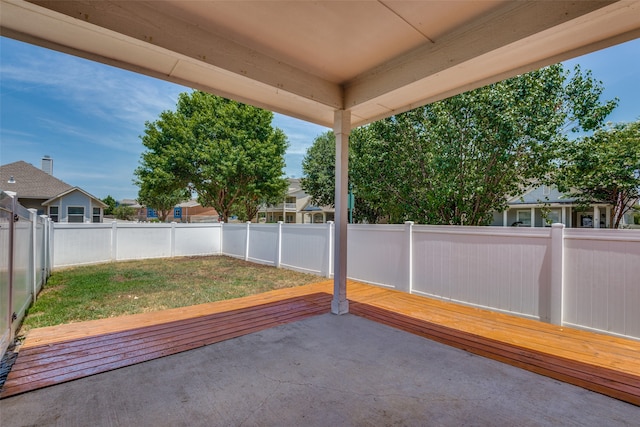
(31,182)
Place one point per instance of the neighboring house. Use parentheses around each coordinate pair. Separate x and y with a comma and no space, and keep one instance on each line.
(38,189)
(296,208)
(192,211)
(541,206)
(189,211)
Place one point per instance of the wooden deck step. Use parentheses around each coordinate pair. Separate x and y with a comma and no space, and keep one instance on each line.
(602,363)
(55,361)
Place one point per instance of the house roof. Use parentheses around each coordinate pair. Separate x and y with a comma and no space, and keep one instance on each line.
(71,190)
(310,59)
(31,182)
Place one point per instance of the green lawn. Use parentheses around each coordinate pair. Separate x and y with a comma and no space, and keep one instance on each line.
(115,289)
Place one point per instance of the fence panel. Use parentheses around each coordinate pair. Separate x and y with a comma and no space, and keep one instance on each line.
(602,280)
(305,247)
(141,240)
(263,243)
(197,239)
(22,262)
(234,239)
(504,269)
(378,254)
(76,244)
(5,309)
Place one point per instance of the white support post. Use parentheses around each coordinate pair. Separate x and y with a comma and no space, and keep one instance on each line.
(114,241)
(33,217)
(563,218)
(246,243)
(556,291)
(504,218)
(408,235)
(341,129)
(278,259)
(608,222)
(596,217)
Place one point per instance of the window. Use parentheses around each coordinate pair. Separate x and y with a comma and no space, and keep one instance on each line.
(75,214)
(53,213)
(546,190)
(96,215)
(552,217)
(290,202)
(586,220)
(524,218)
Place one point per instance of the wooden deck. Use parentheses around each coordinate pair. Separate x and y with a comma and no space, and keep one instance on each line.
(601,363)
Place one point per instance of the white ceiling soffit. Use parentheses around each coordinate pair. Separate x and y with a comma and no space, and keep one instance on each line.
(307,59)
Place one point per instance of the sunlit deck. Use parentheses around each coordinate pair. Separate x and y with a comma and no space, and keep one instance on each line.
(53,355)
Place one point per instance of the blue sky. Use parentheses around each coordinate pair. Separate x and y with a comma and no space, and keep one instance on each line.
(89,117)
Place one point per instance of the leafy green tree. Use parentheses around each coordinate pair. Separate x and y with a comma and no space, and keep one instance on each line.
(124,212)
(604,168)
(456,161)
(111,204)
(225,151)
(158,188)
(318,167)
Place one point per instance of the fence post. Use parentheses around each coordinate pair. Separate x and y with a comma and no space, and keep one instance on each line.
(556,291)
(50,242)
(172,239)
(246,247)
(279,245)
(45,248)
(221,235)
(33,217)
(114,241)
(328,265)
(408,235)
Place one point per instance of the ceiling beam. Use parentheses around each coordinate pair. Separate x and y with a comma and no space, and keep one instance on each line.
(143,22)
(513,22)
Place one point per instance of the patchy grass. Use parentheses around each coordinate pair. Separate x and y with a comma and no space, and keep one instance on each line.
(116,289)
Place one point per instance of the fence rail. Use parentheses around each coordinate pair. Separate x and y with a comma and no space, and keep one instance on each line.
(579,277)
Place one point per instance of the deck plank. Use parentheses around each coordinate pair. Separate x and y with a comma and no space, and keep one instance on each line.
(602,363)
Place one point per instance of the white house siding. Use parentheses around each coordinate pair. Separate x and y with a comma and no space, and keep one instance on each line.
(73,199)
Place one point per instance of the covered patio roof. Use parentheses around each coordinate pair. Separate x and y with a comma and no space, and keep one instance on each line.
(307,59)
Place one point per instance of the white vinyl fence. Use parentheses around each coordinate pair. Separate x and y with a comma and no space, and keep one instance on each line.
(585,278)
(25,263)
(602,280)
(77,244)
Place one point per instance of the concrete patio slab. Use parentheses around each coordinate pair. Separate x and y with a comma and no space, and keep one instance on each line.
(323,371)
